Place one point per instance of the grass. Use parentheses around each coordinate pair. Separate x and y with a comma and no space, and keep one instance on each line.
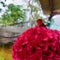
(5,53)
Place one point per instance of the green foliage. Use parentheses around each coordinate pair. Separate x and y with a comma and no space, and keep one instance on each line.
(37,16)
(34,9)
(16,13)
(12,14)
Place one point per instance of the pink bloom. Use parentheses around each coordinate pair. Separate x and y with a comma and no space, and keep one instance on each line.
(38,43)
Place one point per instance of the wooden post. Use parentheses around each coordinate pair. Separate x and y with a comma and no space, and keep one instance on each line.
(51,5)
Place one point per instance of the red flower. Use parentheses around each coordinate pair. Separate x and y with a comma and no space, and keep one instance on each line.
(39,43)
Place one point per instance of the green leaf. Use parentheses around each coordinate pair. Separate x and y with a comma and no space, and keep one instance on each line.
(12,14)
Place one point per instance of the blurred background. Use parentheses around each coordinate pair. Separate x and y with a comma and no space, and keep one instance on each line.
(16,16)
